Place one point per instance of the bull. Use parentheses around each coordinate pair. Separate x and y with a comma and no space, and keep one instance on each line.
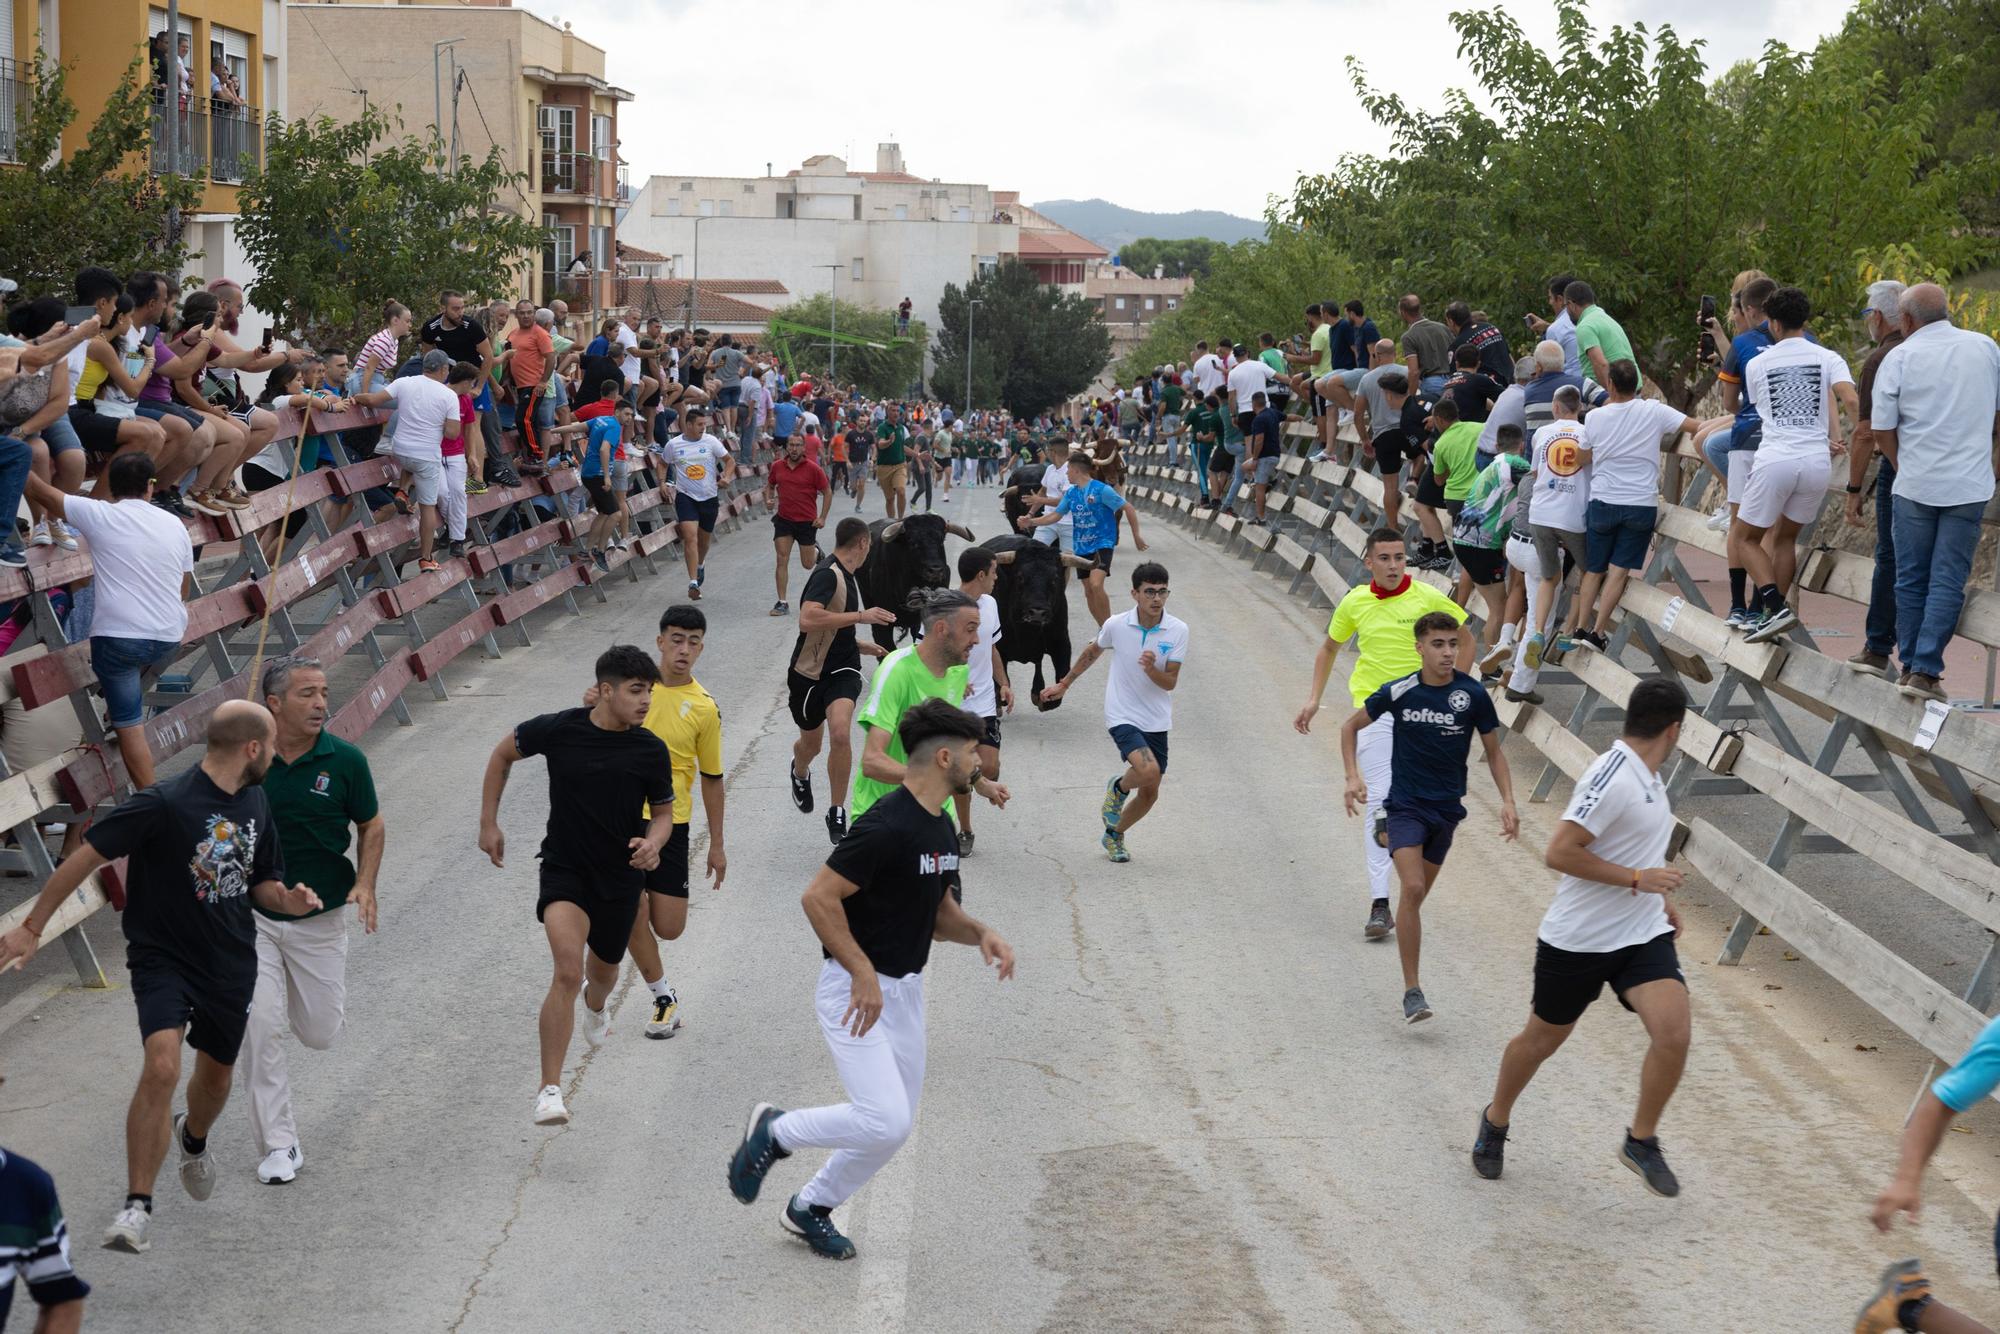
(1025,480)
(905,565)
(1034,605)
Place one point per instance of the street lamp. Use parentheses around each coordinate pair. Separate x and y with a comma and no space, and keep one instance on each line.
(694,285)
(437,90)
(970,308)
(833,328)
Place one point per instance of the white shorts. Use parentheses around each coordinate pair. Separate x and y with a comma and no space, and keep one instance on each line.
(1791,487)
(426,476)
(1741,463)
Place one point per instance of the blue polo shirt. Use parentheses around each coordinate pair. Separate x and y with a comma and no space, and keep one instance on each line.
(1434,726)
(603,430)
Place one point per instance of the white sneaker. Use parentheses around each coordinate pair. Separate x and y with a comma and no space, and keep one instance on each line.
(40,536)
(666,1017)
(1718,522)
(597,1023)
(280,1166)
(549,1109)
(197,1169)
(64,534)
(128,1231)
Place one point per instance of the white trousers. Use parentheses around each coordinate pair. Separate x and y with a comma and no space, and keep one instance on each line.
(301,985)
(451,497)
(1373,748)
(1521,555)
(883,1073)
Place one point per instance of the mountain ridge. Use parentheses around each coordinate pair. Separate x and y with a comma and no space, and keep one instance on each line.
(1113,225)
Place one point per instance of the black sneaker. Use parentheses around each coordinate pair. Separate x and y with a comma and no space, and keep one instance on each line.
(501,475)
(457,550)
(1644,1157)
(172,501)
(1415,1008)
(965,843)
(1772,624)
(836,823)
(1489,1150)
(1595,640)
(1525,696)
(754,1156)
(1380,923)
(814,1222)
(802,789)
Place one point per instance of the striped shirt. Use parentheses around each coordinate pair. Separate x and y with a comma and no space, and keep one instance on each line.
(383,350)
(34,1240)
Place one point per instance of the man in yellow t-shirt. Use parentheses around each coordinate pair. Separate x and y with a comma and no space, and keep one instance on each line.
(1379,617)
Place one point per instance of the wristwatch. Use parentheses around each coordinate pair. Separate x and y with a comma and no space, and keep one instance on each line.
(1853,490)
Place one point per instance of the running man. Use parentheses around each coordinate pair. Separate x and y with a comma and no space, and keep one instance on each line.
(701,466)
(1436,711)
(888,891)
(1147,647)
(1613,920)
(1093,508)
(804,496)
(1380,616)
(319,788)
(932,668)
(987,692)
(605,769)
(892,468)
(824,678)
(201,850)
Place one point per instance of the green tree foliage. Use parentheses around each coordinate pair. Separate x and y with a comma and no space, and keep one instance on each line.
(1032,346)
(100,205)
(886,369)
(1179,259)
(336,224)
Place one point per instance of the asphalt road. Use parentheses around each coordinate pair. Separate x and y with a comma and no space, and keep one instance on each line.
(1197,1105)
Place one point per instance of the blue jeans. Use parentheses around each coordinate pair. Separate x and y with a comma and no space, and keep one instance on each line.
(15,459)
(1881,630)
(1235,450)
(118,664)
(1934,546)
(1431,386)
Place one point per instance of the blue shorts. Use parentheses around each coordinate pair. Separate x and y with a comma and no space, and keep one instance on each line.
(118,663)
(703,512)
(1427,827)
(1617,535)
(1130,739)
(153,410)
(729,398)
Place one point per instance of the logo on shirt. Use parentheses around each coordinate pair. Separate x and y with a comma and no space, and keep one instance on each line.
(1447,720)
(323,783)
(221,864)
(1563,458)
(695,471)
(1459,701)
(1795,394)
(932,864)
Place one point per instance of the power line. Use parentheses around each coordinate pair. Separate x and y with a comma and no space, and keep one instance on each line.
(307,15)
(490,139)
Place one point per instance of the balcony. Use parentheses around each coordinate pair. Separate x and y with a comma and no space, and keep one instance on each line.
(216,139)
(572,174)
(624,186)
(14,94)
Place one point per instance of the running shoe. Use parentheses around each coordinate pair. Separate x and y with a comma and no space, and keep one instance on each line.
(1772,624)
(802,789)
(549,1109)
(1902,1281)
(64,534)
(12,556)
(597,1023)
(1114,803)
(1415,1008)
(754,1156)
(1536,643)
(598,558)
(204,502)
(1380,921)
(1114,846)
(233,497)
(964,843)
(128,1230)
(700,575)
(1740,618)
(779,609)
(1565,641)
(694,590)
(815,1224)
(836,823)
(456,550)
(172,501)
(40,536)
(1719,521)
(197,1169)
(1595,640)
(281,1165)
(666,1015)
(475,487)
(1643,1156)
(1489,1149)
(1524,696)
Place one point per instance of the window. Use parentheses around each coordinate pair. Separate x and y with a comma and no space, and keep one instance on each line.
(854,271)
(679,262)
(558,127)
(749,187)
(560,248)
(1173,303)
(728,207)
(791,206)
(986,264)
(600,249)
(687,185)
(1119,303)
(600,137)
(673,206)
(961,215)
(1152,303)
(902,213)
(857,208)
(707,208)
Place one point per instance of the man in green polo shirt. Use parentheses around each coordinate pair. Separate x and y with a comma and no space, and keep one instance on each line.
(1600,340)
(932,668)
(318,787)
(892,440)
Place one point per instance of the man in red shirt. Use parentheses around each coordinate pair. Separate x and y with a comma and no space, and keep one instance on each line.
(804,496)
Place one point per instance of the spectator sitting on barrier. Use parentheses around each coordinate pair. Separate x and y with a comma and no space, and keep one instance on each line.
(1883,320)
(108,423)
(142,561)
(1936,418)
(190,434)
(36,406)
(284,388)
(16,461)
(427,415)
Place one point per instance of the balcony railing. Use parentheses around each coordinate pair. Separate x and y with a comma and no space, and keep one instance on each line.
(624,186)
(571,174)
(13,108)
(216,139)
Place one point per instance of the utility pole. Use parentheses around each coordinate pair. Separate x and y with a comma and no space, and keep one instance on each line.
(832,346)
(694,284)
(970,310)
(437,92)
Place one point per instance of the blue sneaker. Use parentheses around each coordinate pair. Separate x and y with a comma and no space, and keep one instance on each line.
(1114,847)
(12,556)
(814,1222)
(754,1156)
(1114,803)
(700,575)
(1536,643)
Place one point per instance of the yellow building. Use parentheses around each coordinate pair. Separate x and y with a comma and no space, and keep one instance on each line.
(489,75)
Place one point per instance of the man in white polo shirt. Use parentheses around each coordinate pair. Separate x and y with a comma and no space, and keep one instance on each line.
(426,416)
(1613,920)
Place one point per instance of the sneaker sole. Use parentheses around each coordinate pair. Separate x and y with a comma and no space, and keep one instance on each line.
(1765,633)
(552,1118)
(1640,1172)
(1419,1016)
(791,1229)
(126,1244)
(757,1111)
(666,1032)
(1374,932)
(277,1181)
(1862,668)
(1484,1175)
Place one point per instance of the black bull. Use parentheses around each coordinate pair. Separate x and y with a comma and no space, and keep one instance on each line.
(1032,591)
(905,565)
(1022,481)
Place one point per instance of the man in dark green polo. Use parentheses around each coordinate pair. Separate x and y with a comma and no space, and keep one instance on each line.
(892,440)
(320,789)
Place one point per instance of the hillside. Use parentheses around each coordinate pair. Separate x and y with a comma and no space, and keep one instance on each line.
(1112,226)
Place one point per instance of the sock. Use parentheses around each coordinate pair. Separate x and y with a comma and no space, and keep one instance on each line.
(1769,598)
(1509,633)
(659,988)
(143,1201)
(1119,783)
(1909,1314)
(191,1144)
(1738,577)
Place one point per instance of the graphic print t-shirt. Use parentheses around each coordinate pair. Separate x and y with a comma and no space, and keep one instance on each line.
(1562,483)
(698,466)
(600,783)
(194,853)
(1093,509)
(1434,726)
(905,861)
(1792,386)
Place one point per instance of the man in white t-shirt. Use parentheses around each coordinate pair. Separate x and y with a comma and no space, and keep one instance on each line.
(1209,372)
(700,465)
(1558,490)
(141,556)
(1613,920)
(1622,445)
(1147,648)
(426,416)
(1055,481)
(987,693)
(1794,383)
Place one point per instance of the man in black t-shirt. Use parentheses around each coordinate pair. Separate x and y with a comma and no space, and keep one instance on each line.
(824,676)
(202,847)
(456,332)
(1471,388)
(605,769)
(885,894)
(1468,330)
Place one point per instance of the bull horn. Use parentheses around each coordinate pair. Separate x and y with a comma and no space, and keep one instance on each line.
(889,533)
(960,530)
(1078,562)
(1005,557)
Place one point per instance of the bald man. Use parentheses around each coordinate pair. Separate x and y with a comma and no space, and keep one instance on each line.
(201,849)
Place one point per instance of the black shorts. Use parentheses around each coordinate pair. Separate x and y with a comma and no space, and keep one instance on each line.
(1392,451)
(601,499)
(214,1015)
(1243,420)
(992,737)
(801,531)
(810,698)
(1430,491)
(1099,560)
(255,479)
(702,512)
(611,911)
(670,877)
(1566,982)
(1482,565)
(98,432)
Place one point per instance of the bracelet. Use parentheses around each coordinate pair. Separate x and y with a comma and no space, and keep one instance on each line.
(1853,490)
(1635,877)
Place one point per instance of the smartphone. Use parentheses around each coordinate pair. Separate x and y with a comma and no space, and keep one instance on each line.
(266,344)
(75,315)
(1707,313)
(1528,320)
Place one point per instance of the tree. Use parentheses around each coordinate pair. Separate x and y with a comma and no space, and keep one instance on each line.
(1033,346)
(1178,259)
(100,205)
(882,367)
(336,224)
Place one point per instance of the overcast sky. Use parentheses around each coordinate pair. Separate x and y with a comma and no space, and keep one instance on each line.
(1128,101)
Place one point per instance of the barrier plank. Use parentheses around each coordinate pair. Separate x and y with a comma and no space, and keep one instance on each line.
(355,478)
(373,699)
(485,560)
(404,598)
(87,898)
(1843,574)
(1705,632)
(267,507)
(447,644)
(301,574)
(517,605)
(28,793)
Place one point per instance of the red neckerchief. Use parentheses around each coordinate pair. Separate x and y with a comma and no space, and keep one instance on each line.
(1381,592)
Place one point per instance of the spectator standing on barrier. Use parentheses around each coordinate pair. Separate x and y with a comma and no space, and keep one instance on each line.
(467,381)
(1732,455)
(142,559)
(1509,409)
(34,1247)
(1210,374)
(1936,419)
(1557,494)
(1426,347)
(1883,317)
(465,339)
(322,797)
(1560,329)
(1204,428)
(1392,421)
(1600,340)
(426,416)
(1264,446)
(1613,920)
(201,850)
(529,356)
(1475,332)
